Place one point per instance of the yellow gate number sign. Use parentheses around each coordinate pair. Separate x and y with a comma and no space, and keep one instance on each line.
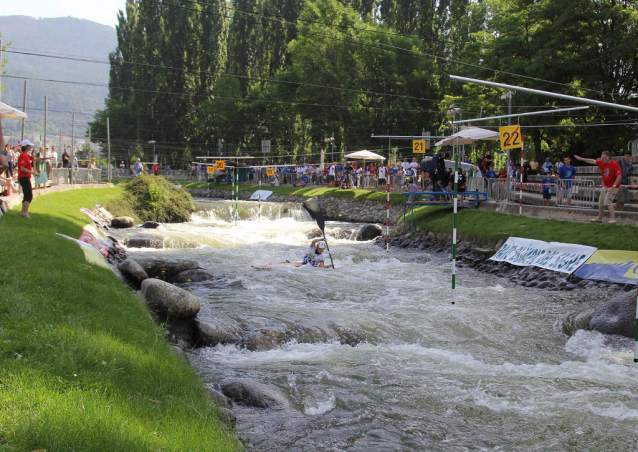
(220,165)
(270,171)
(418,146)
(511,137)
(210,169)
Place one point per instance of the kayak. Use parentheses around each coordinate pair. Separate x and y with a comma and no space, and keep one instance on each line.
(272,265)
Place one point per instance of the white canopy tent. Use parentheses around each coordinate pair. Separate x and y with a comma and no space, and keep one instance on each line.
(364,155)
(468,135)
(7,111)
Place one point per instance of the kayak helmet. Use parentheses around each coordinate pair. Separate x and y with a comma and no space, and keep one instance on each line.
(321,244)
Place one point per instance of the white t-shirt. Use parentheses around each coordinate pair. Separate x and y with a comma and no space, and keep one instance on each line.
(405,166)
(313,258)
(331,171)
(414,166)
(382,172)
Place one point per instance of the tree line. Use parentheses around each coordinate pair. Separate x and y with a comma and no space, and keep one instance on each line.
(189,74)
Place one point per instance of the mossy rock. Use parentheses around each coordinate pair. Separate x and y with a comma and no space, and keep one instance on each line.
(154,198)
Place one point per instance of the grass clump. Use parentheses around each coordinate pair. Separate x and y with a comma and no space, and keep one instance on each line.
(83,367)
(154,198)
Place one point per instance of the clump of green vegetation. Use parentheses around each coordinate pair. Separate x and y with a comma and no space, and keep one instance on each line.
(153,198)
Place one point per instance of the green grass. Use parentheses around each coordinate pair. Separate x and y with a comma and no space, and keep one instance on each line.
(83,367)
(490,227)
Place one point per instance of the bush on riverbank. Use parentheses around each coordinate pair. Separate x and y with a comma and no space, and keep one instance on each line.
(153,198)
(82,364)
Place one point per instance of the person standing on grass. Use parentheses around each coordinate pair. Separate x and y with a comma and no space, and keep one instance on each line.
(612,175)
(25,171)
(627,179)
(565,175)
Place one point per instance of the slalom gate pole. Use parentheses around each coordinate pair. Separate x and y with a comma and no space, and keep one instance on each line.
(456,192)
(232,194)
(259,220)
(520,201)
(387,224)
(636,339)
(236,197)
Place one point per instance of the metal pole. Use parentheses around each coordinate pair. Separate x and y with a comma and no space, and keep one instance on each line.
(387,218)
(236,196)
(232,194)
(46,105)
(24,107)
(72,149)
(583,100)
(636,338)
(520,201)
(60,147)
(259,220)
(108,151)
(508,163)
(532,113)
(456,191)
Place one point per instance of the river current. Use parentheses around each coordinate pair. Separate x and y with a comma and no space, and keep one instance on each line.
(492,372)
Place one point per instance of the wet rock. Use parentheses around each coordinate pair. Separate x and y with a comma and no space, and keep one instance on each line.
(618,316)
(544,284)
(145,241)
(570,287)
(583,283)
(628,287)
(122,222)
(165,268)
(220,330)
(217,397)
(177,351)
(255,394)
(227,416)
(133,272)
(576,321)
(165,298)
(194,276)
(369,231)
(150,225)
(531,283)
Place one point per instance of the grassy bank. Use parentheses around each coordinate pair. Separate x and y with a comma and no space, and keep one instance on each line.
(490,227)
(82,364)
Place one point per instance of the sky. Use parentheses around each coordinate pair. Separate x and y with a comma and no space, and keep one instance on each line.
(101,11)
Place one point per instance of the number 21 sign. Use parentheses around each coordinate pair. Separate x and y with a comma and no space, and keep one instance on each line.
(511,137)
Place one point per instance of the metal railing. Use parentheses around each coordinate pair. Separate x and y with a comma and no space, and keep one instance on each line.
(62,176)
(583,192)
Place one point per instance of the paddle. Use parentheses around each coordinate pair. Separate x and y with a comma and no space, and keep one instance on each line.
(322,224)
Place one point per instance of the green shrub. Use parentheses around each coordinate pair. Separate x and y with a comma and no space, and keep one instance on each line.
(154,198)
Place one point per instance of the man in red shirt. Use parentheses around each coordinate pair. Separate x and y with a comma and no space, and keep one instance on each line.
(25,171)
(612,174)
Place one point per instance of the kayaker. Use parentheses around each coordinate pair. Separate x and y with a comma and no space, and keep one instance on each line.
(315,255)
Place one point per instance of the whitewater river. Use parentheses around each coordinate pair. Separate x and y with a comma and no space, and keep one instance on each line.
(492,372)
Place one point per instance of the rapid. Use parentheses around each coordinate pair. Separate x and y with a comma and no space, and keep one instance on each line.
(492,372)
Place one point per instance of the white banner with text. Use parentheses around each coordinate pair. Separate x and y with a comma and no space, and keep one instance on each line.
(560,257)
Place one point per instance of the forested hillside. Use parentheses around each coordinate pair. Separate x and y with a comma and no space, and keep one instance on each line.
(48,49)
(187,74)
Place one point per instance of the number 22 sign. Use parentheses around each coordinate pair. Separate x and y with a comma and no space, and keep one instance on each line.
(511,137)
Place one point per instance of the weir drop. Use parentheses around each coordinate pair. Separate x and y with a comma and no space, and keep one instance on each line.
(373,356)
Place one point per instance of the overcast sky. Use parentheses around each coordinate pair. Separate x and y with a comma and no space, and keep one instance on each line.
(101,11)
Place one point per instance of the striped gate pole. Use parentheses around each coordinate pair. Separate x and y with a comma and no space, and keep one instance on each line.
(232,194)
(236,197)
(456,192)
(520,201)
(636,339)
(387,223)
(259,195)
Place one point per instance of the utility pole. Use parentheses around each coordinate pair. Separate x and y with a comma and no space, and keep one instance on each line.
(24,107)
(46,105)
(108,150)
(72,149)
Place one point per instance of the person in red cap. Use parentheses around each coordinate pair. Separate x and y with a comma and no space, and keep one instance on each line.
(612,174)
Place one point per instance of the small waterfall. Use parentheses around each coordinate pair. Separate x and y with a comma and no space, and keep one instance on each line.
(223,211)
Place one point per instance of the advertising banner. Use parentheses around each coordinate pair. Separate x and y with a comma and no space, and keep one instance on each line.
(261,195)
(560,257)
(89,235)
(611,265)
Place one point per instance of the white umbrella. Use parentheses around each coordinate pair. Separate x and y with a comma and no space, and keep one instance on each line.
(468,135)
(364,155)
(7,111)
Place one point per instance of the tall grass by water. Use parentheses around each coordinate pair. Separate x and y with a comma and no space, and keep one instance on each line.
(83,367)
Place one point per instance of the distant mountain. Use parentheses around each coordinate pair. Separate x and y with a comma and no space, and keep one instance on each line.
(61,38)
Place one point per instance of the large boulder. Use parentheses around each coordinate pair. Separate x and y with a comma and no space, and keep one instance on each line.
(150,225)
(170,300)
(133,272)
(369,232)
(312,206)
(122,222)
(195,275)
(255,394)
(220,330)
(145,241)
(618,316)
(165,268)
